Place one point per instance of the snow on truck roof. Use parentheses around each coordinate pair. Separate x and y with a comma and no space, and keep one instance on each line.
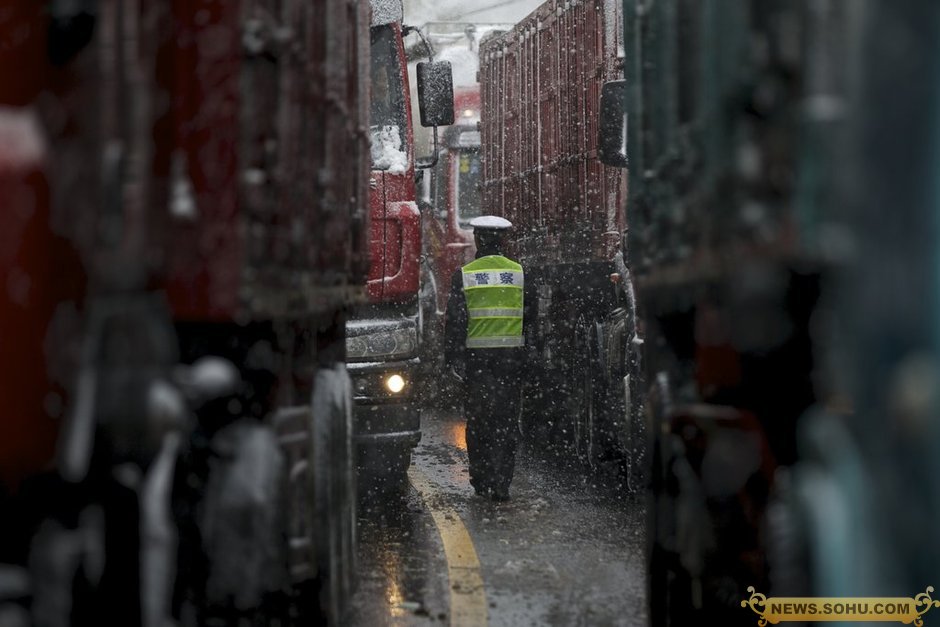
(387,11)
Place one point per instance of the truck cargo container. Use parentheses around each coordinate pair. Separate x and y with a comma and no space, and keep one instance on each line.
(186,213)
(541,87)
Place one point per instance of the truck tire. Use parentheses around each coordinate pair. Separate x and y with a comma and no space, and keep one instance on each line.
(630,431)
(591,410)
(347,489)
(333,489)
(621,401)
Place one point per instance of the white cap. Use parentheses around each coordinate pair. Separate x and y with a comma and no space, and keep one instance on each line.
(491,222)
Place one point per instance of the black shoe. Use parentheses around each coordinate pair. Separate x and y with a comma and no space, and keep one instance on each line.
(484,491)
(500,495)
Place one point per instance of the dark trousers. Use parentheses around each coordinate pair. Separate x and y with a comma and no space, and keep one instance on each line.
(492,409)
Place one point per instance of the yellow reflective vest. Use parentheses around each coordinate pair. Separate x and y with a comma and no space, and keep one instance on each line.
(493,286)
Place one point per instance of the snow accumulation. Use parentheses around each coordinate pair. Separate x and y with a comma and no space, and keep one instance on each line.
(387,153)
(510,11)
(490,222)
(386,11)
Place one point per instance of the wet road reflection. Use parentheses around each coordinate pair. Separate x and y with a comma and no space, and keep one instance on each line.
(566,550)
(457,433)
(402,570)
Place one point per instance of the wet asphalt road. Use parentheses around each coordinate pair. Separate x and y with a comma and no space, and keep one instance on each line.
(568,549)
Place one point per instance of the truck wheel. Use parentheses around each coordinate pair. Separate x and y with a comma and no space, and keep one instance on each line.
(631,436)
(620,402)
(431,392)
(333,490)
(588,395)
(347,487)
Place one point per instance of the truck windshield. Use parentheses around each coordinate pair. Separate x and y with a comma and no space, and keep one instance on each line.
(469,172)
(388,126)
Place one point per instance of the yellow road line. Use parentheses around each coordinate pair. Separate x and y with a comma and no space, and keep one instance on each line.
(467,596)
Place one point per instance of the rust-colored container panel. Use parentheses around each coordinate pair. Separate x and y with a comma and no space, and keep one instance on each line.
(189,145)
(262,220)
(42,275)
(540,85)
(43,281)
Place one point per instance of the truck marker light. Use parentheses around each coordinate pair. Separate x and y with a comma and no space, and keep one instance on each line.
(395,383)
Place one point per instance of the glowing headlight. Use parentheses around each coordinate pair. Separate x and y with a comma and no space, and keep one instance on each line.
(395,383)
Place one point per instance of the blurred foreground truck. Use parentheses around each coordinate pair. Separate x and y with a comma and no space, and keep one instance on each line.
(384,334)
(719,98)
(783,237)
(184,226)
(541,84)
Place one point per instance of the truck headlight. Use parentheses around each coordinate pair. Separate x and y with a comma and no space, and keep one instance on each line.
(395,383)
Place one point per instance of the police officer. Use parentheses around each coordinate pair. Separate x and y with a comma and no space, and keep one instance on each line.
(483,345)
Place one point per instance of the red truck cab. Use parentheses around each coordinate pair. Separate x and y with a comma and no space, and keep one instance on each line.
(383,333)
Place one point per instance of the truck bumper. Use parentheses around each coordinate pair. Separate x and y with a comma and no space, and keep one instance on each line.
(383,418)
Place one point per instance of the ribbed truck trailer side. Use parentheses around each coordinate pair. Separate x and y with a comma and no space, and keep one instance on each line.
(185,218)
(541,85)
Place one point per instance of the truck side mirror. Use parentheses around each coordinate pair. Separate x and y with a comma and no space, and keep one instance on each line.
(612,130)
(435,93)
